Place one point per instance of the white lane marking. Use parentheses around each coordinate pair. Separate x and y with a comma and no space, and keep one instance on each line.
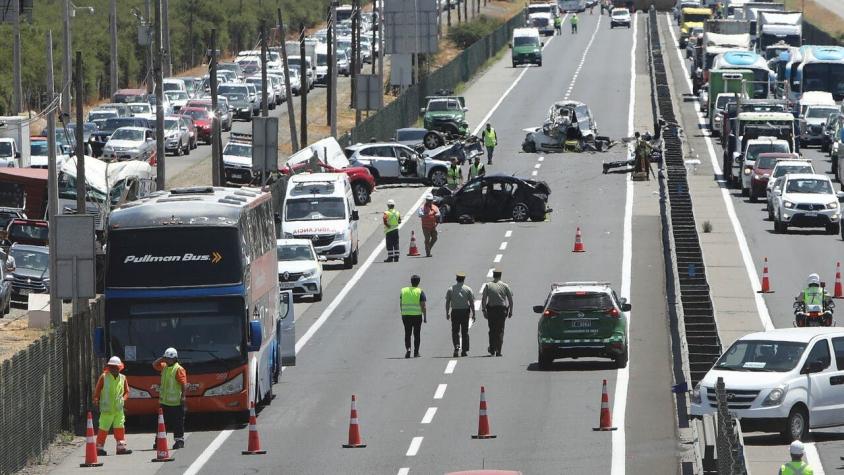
(497,258)
(812,457)
(508,234)
(489,273)
(429,415)
(540,159)
(477,304)
(206,454)
(414,446)
(738,230)
(503,246)
(583,58)
(449,368)
(218,441)
(534,173)
(440,392)
(619,448)
(538,166)
(403,471)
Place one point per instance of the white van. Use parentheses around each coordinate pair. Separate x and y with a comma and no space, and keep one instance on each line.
(787,380)
(320,207)
(174,84)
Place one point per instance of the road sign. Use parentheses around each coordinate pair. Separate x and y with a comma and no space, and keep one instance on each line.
(410,26)
(264,144)
(401,70)
(368,93)
(75,256)
(7,10)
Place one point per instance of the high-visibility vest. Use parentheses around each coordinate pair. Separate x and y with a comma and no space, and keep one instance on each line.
(558,21)
(796,468)
(813,296)
(170,391)
(574,20)
(391,220)
(489,137)
(453,175)
(111,397)
(411,301)
(477,170)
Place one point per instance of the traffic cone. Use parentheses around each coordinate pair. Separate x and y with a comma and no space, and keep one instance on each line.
(354,432)
(766,284)
(578,242)
(162,452)
(254,447)
(413,251)
(838,293)
(606,416)
(90,445)
(483,421)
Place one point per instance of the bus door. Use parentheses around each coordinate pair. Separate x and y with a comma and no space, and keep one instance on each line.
(286,328)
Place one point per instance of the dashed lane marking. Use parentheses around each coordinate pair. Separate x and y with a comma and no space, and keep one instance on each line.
(449,368)
(440,392)
(503,246)
(538,166)
(414,446)
(429,415)
(534,173)
(497,258)
(583,58)
(403,471)
(508,234)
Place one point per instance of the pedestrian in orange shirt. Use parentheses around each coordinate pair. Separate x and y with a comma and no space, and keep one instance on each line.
(171,394)
(110,394)
(430,216)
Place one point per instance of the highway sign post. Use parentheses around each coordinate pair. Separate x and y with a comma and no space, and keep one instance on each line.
(75,257)
(264,146)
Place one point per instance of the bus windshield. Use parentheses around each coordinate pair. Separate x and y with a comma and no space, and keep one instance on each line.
(824,77)
(206,332)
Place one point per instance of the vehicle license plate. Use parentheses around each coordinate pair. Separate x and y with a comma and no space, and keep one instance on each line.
(812,214)
(286,285)
(581,323)
(237,175)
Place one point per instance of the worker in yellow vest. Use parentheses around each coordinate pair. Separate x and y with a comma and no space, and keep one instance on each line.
(172,393)
(413,314)
(797,466)
(110,394)
(454,175)
(392,219)
(477,168)
(490,142)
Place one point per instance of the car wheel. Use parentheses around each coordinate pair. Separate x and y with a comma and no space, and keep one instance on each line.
(355,257)
(833,228)
(797,424)
(432,140)
(361,194)
(621,360)
(514,64)
(444,212)
(529,146)
(348,263)
(437,177)
(318,297)
(545,360)
(179,150)
(520,212)
(753,197)
(187,148)
(539,64)
(745,192)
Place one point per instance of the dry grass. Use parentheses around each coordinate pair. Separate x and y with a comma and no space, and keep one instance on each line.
(15,335)
(818,16)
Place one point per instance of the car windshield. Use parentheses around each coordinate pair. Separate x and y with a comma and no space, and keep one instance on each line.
(6,149)
(31,260)
(579,301)
(232,90)
(295,252)
(94,115)
(404,135)
(38,147)
(786,169)
(238,149)
(620,12)
(314,209)
(114,124)
(525,41)
(754,150)
(820,112)
(139,108)
(722,101)
(171,86)
(171,124)
(177,95)
(809,185)
(437,106)
(196,114)
(766,163)
(761,355)
(128,134)
(321,59)
(539,21)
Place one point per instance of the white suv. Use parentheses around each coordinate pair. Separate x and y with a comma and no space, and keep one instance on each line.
(785,380)
(299,268)
(782,168)
(807,200)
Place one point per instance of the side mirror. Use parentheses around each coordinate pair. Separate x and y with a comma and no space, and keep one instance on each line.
(538,308)
(422,111)
(840,195)
(17,155)
(510,45)
(99,342)
(355,215)
(465,109)
(256,335)
(626,307)
(322,259)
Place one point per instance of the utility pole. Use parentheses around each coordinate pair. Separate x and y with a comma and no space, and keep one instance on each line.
(303,87)
(81,192)
(459,15)
(374,37)
(66,75)
(113,30)
(264,96)
(17,88)
(381,45)
(165,27)
(355,56)
(216,140)
(147,15)
(465,10)
(52,187)
(331,65)
(333,118)
(448,12)
(159,100)
(291,114)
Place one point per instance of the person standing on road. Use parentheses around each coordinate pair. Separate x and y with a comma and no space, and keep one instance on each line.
(497,306)
(429,214)
(459,304)
(110,394)
(490,141)
(392,219)
(413,314)
(558,25)
(172,392)
(477,168)
(455,175)
(574,21)
(797,466)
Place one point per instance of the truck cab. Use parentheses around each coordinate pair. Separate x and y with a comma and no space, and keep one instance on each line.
(9,153)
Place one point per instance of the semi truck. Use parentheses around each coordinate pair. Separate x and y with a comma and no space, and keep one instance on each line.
(17,128)
(751,10)
(775,27)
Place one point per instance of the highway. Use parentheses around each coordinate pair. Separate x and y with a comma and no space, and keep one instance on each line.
(417,415)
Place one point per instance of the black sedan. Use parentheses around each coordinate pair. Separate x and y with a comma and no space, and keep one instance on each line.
(99,138)
(493,198)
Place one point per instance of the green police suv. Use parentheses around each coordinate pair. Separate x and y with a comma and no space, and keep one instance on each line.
(446,114)
(526,47)
(582,319)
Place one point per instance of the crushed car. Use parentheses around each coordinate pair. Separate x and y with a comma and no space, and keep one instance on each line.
(570,126)
(493,198)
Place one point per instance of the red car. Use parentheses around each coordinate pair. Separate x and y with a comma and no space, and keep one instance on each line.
(201,120)
(363,183)
(28,231)
(762,169)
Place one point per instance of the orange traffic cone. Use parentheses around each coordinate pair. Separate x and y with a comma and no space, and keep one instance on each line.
(578,242)
(162,452)
(838,292)
(254,447)
(90,445)
(413,251)
(606,416)
(483,421)
(766,283)
(355,441)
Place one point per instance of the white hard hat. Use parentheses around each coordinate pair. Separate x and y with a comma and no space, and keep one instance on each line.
(813,279)
(796,448)
(429,197)
(391,202)
(171,353)
(114,361)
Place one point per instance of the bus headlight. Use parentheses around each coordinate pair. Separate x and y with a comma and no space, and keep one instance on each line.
(135,393)
(232,386)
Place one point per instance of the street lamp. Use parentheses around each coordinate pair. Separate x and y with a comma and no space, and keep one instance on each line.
(69,12)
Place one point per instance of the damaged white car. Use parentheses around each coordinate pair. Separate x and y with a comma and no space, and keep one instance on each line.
(569,127)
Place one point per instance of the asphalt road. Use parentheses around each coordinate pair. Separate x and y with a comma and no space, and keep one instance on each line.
(417,415)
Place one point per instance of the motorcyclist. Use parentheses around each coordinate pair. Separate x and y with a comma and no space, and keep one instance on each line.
(813,295)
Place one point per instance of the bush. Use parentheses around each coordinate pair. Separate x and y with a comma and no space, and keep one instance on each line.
(466,34)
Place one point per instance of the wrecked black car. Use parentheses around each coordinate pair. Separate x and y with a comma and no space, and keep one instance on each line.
(494,198)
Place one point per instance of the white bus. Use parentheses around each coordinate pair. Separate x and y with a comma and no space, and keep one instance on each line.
(568,6)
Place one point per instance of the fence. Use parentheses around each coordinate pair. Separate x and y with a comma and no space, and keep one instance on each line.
(47,388)
(404,110)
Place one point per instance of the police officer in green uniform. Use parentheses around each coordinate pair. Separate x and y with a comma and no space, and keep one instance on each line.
(490,142)
(558,24)
(477,168)
(413,314)
(797,466)
(392,219)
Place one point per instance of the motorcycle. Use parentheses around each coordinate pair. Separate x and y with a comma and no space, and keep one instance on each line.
(816,315)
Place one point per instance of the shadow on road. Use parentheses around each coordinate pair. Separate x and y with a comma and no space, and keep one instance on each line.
(574,366)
